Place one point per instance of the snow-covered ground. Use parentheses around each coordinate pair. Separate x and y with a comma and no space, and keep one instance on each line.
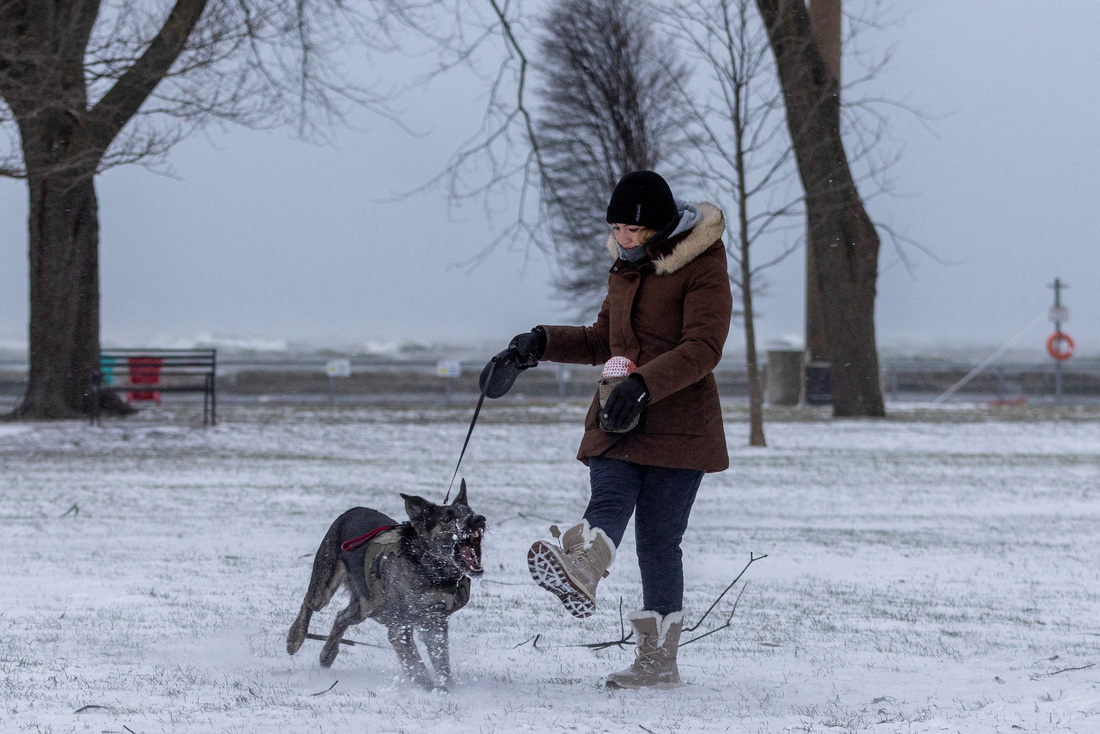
(937,571)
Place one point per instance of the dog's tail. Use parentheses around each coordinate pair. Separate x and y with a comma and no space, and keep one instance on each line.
(328,573)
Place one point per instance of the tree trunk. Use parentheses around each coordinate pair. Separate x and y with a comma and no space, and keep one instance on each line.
(752,364)
(63,249)
(63,235)
(756,393)
(42,81)
(844,241)
(825,23)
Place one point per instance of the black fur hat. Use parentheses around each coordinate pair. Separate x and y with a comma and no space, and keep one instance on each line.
(642,198)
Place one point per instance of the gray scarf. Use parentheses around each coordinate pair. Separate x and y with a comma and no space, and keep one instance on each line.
(632,255)
(689,215)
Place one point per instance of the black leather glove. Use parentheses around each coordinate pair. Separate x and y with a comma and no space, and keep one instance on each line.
(523,352)
(625,403)
(528,347)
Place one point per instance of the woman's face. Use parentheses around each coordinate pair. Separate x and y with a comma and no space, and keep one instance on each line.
(627,235)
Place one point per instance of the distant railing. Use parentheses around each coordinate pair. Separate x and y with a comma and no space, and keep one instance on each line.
(306,377)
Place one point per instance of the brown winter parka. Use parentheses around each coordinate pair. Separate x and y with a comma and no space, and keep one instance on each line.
(670,314)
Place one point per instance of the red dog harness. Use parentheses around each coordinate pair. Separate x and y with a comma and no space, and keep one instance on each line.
(350,545)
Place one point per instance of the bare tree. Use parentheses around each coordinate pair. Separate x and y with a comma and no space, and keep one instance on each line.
(843,237)
(742,146)
(609,84)
(506,155)
(826,26)
(91,84)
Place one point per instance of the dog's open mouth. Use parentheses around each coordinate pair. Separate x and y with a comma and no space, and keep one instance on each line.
(468,552)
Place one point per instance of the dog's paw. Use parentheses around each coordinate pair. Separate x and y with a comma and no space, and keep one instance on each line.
(426,682)
(298,631)
(329,653)
(295,639)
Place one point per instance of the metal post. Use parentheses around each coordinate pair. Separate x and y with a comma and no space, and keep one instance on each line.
(1058,285)
(213,387)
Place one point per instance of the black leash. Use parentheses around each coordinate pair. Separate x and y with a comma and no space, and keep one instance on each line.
(477,410)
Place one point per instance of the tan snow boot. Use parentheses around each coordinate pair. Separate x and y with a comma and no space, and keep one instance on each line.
(572,571)
(654,663)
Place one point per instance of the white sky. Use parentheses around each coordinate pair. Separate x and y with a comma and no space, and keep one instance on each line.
(261,236)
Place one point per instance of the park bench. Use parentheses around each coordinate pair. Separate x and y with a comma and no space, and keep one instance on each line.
(143,374)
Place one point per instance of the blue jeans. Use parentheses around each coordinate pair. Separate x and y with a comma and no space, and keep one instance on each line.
(660,499)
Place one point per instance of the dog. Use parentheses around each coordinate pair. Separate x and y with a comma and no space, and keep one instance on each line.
(407,576)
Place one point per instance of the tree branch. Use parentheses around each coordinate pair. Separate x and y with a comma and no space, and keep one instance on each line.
(123,100)
(625,636)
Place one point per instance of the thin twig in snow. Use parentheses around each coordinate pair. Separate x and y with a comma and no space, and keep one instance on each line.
(321,693)
(752,559)
(622,626)
(728,619)
(624,637)
(533,640)
(1066,670)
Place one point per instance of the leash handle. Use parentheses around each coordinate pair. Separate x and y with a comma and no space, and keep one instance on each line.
(477,410)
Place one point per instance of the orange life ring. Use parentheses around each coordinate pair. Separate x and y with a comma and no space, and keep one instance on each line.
(1054,349)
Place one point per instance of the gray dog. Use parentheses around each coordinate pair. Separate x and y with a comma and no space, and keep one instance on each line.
(408,576)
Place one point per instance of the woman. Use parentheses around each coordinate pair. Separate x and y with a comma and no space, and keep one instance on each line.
(649,442)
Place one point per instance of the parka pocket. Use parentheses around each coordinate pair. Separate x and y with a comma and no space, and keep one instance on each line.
(682,413)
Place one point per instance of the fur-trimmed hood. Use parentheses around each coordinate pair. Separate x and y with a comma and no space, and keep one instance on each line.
(671,254)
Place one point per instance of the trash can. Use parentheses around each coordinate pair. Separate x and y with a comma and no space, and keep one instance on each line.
(784,376)
(819,384)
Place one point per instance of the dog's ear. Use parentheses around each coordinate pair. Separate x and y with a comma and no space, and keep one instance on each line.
(460,499)
(418,509)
